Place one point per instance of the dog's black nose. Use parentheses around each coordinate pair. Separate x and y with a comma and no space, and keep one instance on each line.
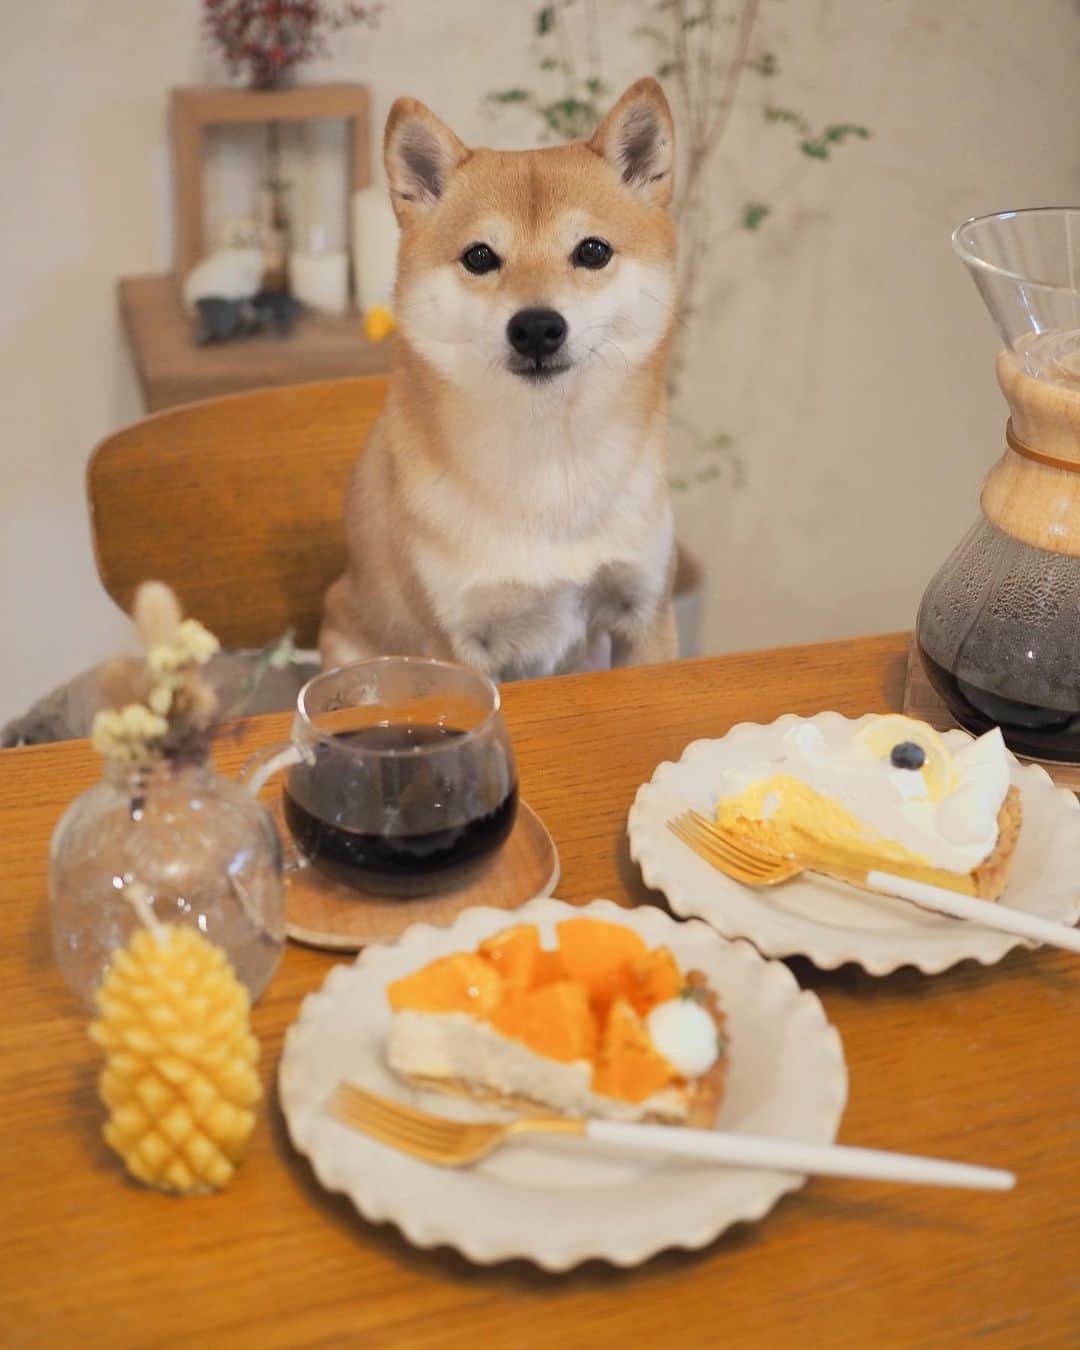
(536,332)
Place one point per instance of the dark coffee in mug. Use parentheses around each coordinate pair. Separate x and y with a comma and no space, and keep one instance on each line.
(405,822)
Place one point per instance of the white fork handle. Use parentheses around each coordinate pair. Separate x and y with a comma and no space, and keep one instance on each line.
(986,912)
(789,1155)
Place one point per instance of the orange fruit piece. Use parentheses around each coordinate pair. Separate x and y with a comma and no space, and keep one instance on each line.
(514,953)
(555,1021)
(600,955)
(629,1066)
(654,979)
(548,968)
(463,982)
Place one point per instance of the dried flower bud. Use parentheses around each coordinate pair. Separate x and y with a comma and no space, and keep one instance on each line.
(157,614)
(128,733)
(161,706)
(160,698)
(197,642)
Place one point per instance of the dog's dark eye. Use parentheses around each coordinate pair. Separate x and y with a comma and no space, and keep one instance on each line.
(592,253)
(479,258)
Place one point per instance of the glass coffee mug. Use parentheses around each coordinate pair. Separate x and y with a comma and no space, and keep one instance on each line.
(400,776)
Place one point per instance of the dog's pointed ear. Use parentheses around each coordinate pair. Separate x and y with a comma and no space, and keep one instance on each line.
(420,153)
(638,138)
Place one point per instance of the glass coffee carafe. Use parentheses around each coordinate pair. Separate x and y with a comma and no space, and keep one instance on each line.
(999,625)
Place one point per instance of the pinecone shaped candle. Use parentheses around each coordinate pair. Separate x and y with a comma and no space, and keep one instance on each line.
(180,1075)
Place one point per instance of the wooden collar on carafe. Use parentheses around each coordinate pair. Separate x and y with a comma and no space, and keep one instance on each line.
(1033,492)
(1044,416)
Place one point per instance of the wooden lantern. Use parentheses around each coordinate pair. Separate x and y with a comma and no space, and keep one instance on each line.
(193,109)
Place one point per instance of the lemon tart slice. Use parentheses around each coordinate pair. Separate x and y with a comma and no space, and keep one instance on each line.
(889,788)
(600,1025)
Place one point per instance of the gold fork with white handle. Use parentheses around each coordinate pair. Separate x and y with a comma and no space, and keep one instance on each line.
(456,1143)
(946,893)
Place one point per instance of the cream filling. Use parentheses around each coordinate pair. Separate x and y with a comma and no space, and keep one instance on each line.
(956,833)
(455,1045)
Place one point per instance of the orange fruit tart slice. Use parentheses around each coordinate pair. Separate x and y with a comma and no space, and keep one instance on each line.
(597,1024)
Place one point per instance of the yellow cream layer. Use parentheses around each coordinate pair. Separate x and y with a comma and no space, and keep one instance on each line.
(774,811)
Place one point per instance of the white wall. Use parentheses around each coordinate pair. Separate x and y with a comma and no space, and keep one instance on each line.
(845,350)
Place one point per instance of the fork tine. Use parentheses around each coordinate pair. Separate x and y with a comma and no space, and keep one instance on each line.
(698,841)
(431,1136)
(374,1131)
(702,828)
(434,1139)
(426,1152)
(433,1132)
(751,855)
(718,851)
(722,863)
(750,869)
(748,852)
(364,1098)
(399,1130)
(401,1121)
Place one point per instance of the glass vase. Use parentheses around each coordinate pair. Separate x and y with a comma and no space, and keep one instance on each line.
(204,850)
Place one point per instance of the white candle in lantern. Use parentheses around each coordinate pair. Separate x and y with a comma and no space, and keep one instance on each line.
(374,247)
(320,277)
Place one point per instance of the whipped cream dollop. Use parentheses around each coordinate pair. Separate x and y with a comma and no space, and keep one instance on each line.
(684,1033)
(954,828)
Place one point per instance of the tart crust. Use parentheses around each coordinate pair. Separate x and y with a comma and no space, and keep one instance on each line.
(993,872)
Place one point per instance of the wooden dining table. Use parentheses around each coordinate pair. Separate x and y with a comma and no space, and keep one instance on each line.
(980,1064)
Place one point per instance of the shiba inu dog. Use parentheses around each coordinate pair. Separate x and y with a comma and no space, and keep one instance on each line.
(510,509)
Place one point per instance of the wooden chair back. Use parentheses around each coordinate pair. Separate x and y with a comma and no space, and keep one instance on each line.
(236,502)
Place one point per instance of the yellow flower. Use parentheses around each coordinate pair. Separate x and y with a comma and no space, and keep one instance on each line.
(166,659)
(197,642)
(161,697)
(138,723)
(103,732)
(127,733)
(194,645)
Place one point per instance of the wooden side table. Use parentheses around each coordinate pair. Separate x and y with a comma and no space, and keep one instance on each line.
(171,369)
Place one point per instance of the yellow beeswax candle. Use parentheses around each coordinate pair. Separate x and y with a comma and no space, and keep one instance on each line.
(180,1078)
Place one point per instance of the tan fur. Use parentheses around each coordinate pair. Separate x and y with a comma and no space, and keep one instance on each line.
(512,525)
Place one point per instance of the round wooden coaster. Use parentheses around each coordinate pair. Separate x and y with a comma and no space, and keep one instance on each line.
(321,912)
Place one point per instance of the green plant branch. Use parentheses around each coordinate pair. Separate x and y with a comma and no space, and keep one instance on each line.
(707,127)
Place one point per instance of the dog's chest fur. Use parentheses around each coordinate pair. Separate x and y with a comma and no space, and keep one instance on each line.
(566,547)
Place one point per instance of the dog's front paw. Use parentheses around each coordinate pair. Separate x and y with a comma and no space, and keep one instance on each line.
(512,631)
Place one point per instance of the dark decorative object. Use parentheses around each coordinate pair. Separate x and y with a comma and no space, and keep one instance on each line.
(221,320)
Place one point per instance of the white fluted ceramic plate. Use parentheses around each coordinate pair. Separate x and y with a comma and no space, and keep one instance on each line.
(829,921)
(558,1203)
